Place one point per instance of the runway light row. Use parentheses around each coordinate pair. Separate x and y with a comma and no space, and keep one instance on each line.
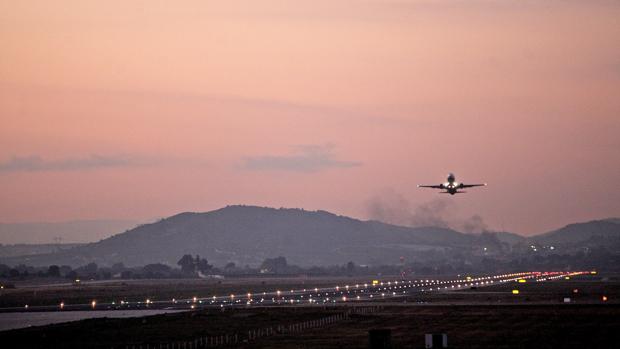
(346,293)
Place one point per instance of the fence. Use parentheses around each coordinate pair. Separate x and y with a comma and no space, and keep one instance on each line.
(252,335)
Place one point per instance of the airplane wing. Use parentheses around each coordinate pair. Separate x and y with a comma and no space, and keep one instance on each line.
(472,185)
(440,186)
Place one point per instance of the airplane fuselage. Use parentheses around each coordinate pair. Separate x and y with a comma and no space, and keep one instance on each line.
(451,186)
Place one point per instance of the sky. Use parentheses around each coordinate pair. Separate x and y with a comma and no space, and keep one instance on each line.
(143,109)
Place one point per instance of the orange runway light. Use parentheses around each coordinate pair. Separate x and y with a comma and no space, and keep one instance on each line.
(604,298)
(515,291)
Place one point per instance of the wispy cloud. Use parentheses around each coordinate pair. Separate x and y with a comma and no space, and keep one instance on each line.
(303,158)
(37,164)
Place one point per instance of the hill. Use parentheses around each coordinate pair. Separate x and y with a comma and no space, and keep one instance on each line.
(509,238)
(598,232)
(249,234)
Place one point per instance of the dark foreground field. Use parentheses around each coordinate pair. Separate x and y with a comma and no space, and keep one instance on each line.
(156,290)
(490,317)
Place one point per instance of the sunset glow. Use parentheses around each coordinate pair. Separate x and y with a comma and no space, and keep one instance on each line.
(140,109)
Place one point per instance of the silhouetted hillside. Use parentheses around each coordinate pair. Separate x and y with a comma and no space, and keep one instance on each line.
(509,238)
(579,233)
(248,235)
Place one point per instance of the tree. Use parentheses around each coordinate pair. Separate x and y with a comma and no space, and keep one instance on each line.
(156,270)
(230,265)
(187,264)
(117,268)
(202,265)
(72,275)
(53,271)
(88,270)
(65,269)
(350,268)
(276,265)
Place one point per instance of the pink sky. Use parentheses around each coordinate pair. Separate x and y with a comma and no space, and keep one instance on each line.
(142,109)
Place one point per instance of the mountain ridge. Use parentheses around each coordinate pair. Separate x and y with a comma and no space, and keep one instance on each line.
(246,234)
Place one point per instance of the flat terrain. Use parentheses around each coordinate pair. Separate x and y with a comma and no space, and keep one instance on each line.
(155,290)
(488,317)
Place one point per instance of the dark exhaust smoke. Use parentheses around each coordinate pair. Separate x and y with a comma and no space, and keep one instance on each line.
(392,207)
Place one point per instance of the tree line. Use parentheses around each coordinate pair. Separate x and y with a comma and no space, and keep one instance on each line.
(189,266)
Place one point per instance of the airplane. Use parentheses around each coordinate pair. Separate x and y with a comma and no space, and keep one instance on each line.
(452,186)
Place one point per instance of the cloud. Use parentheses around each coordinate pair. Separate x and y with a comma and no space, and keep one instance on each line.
(37,164)
(303,158)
